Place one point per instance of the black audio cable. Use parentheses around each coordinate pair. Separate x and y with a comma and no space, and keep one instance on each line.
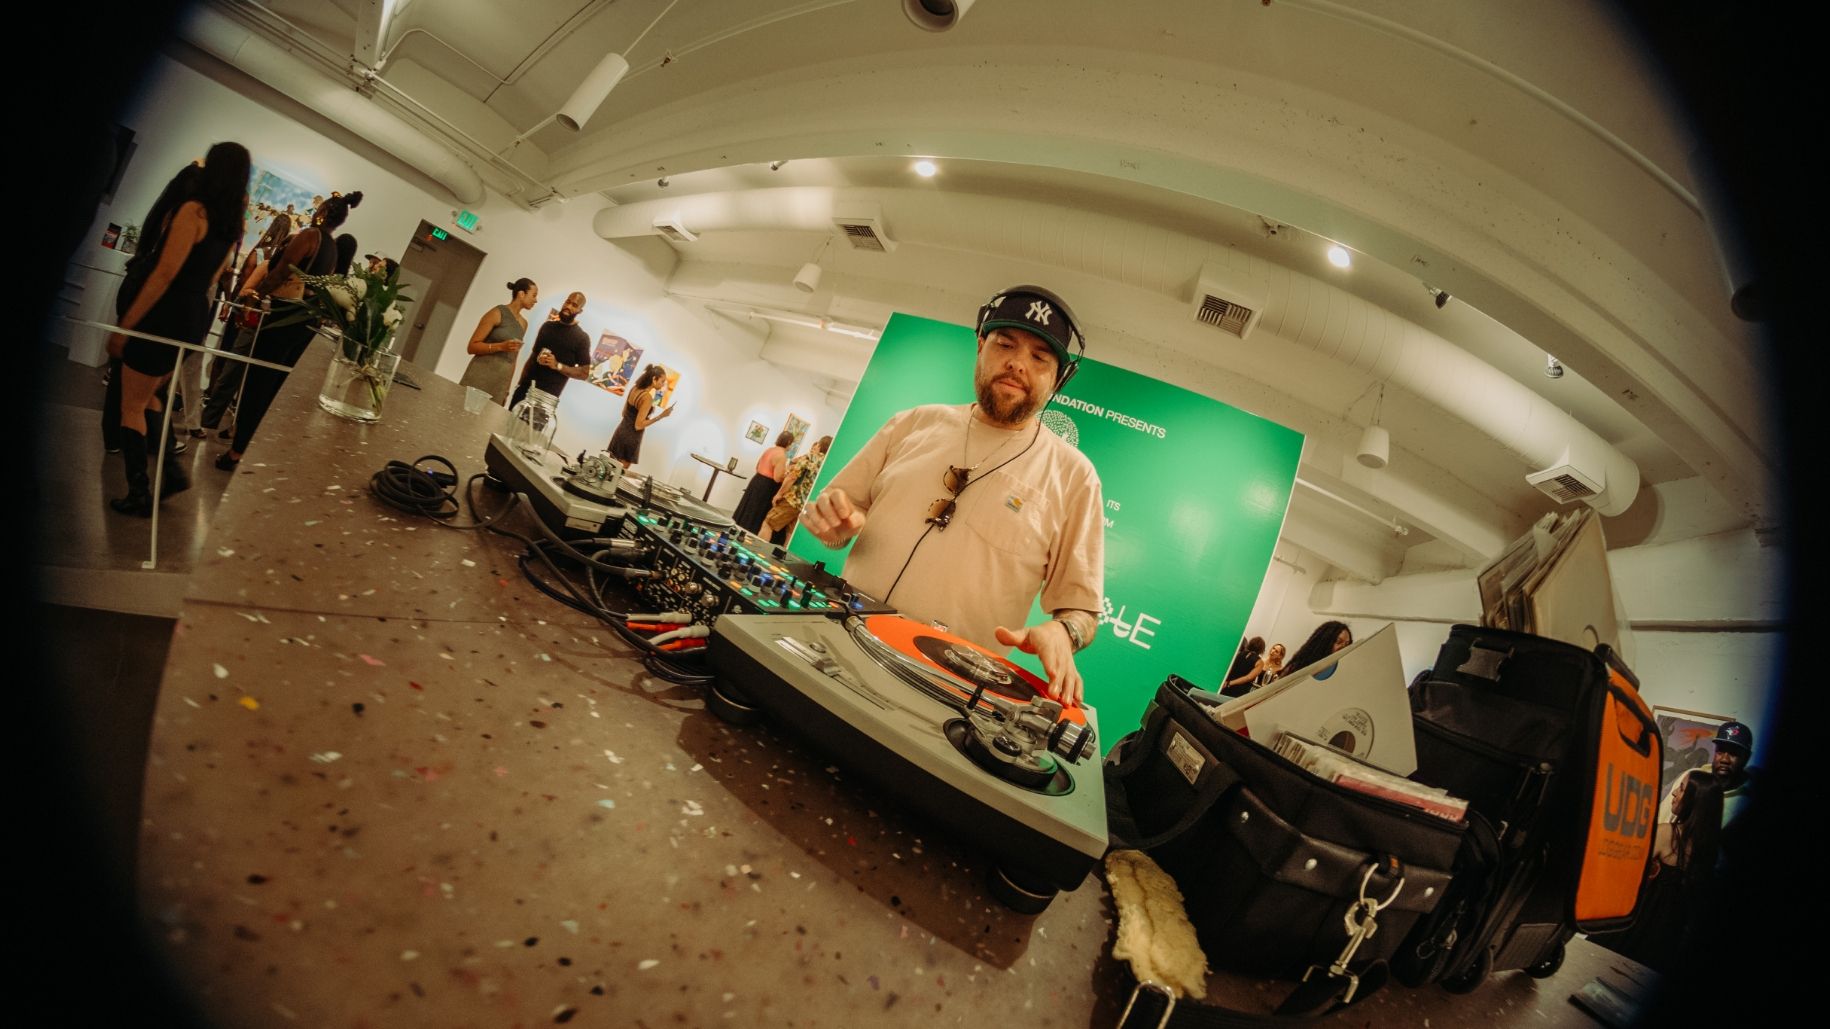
(415,490)
(433,493)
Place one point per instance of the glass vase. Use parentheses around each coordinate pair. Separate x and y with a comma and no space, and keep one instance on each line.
(356,387)
(533,421)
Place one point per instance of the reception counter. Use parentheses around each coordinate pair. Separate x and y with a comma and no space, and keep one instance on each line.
(392,784)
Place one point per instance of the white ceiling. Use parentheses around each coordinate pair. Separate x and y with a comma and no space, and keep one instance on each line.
(1520,157)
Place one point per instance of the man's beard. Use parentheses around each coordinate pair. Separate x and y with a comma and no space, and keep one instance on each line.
(567,319)
(1006,411)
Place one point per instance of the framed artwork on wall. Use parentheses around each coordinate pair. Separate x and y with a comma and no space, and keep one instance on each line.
(757,433)
(271,196)
(1687,736)
(798,426)
(613,362)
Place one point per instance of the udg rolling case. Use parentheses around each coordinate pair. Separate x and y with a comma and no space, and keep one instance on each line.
(1559,760)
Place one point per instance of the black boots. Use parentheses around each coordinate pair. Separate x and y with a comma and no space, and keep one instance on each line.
(138,500)
(177,480)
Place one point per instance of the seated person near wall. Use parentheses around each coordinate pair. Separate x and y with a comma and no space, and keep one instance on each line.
(562,352)
(1020,512)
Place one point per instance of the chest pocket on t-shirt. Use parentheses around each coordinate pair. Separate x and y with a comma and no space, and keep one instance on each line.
(1009,515)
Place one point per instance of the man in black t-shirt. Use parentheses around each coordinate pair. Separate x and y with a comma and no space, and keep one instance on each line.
(562,352)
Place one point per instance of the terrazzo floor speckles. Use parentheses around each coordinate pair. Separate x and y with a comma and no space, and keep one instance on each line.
(391,784)
(485,827)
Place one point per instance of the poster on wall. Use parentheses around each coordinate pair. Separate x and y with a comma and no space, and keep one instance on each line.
(613,362)
(757,433)
(1689,739)
(797,426)
(1195,494)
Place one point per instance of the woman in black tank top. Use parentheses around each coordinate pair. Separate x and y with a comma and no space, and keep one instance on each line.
(313,252)
(174,302)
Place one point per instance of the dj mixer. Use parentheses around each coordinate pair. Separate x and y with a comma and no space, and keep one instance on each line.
(707,571)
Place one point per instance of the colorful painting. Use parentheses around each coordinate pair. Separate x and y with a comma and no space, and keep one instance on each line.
(798,426)
(270,195)
(1688,736)
(613,362)
(666,397)
(758,433)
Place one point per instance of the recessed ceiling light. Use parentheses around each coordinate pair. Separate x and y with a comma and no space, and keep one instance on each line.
(925,169)
(1338,256)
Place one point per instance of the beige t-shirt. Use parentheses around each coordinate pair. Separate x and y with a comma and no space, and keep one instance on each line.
(1033,524)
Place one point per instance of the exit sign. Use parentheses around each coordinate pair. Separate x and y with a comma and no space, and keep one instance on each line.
(467,220)
(440,234)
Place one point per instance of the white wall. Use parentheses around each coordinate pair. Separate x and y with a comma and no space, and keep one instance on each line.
(181,112)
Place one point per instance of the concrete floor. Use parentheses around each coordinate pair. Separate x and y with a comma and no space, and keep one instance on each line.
(388,783)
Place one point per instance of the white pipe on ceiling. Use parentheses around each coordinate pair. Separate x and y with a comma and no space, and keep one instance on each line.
(221,37)
(1298,309)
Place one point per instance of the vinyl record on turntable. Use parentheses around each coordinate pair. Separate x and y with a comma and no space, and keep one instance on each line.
(965,665)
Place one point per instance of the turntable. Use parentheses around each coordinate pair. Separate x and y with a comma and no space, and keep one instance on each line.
(586,498)
(962,735)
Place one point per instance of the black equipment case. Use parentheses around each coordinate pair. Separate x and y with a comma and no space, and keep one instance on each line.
(1559,760)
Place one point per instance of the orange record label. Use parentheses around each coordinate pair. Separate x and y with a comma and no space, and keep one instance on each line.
(966,664)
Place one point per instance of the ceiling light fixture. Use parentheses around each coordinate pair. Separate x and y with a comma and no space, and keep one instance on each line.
(591,93)
(1553,368)
(936,15)
(776,165)
(1338,256)
(1375,442)
(925,168)
(808,278)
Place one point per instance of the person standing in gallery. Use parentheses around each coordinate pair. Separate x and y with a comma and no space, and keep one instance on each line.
(562,352)
(797,482)
(759,495)
(498,339)
(174,301)
(313,252)
(638,415)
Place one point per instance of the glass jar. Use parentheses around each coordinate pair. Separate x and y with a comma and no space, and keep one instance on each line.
(532,423)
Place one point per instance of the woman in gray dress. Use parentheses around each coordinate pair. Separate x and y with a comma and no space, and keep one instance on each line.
(497,340)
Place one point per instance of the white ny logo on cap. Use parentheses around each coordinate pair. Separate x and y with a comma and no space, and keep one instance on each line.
(1039,312)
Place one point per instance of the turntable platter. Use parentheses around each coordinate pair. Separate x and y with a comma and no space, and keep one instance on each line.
(963,666)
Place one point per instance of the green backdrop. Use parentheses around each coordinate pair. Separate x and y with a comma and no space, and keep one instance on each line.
(1195,494)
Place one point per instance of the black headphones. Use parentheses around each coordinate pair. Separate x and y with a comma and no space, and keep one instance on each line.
(1069,365)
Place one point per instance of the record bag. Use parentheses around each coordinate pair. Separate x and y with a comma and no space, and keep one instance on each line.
(1269,857)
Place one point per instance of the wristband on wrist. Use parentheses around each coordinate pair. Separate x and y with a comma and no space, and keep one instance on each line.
(1073,630)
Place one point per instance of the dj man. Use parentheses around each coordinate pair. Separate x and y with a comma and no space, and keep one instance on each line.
(963,513)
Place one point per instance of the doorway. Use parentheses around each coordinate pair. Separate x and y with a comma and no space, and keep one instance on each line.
(436,272)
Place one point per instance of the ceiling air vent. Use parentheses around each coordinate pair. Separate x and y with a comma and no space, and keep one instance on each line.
(863,229)
(1564,482)
(1227,301)
(672,228)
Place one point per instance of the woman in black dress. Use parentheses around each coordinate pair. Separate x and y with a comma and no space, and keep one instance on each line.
(638,415)
(174,302)
(313,252)
(759,495)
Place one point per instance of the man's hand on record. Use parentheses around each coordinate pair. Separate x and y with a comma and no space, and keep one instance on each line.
(1049,641)
(832,519)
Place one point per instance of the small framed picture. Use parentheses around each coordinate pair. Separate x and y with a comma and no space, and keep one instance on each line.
(758,433)
(1689,739)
